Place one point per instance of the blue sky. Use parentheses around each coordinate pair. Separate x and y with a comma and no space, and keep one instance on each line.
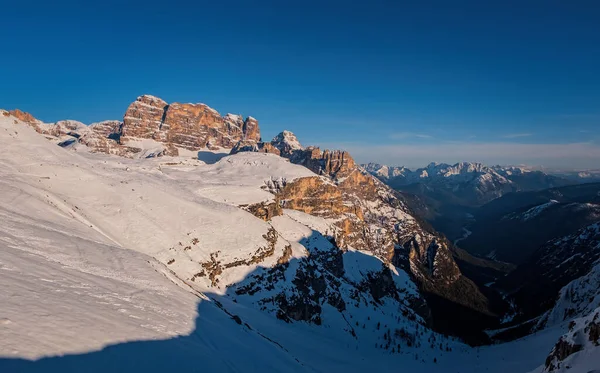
(397,82)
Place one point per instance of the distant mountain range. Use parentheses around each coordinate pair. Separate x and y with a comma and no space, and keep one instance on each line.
(465,183)
(117,235)
(447,196)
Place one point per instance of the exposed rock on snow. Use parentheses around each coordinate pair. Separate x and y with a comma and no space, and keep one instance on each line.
(578,350)
(367,215)
(189,126)
(301,259)
(150,128)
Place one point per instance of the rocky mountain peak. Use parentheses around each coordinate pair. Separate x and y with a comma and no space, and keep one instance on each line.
(286,142)
(185,125)
(152,124)
(152,100)
(22,116)
(251,130)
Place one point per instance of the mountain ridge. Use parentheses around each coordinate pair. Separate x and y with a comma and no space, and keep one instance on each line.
(295,234)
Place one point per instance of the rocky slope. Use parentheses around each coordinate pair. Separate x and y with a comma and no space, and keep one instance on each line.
(302,255)
(152,127)
(534,286)
(512,227)
(361,212)
(448,195)
(578,350)
(578,303)
(367,215)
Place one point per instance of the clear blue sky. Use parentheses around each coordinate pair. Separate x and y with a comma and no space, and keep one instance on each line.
(397,82)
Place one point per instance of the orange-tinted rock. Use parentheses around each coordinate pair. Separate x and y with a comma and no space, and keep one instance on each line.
(335,164)
(253,146)
(144,117)
(313,195)
(251,130)
(190,126)
(106,128)
(23,116)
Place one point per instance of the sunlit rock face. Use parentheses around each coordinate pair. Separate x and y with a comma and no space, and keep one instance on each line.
(152,127)
(189,126)
(369,216)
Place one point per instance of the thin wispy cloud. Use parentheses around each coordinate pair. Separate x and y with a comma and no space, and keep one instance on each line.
(408,135)
(516,135)
(577,154)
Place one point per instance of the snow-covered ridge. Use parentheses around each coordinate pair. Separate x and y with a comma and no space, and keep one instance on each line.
(467,183)
(180,220)
(165,266)
(532,212)
(462,171)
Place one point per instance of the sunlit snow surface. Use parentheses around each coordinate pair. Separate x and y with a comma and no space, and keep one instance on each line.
(83,284)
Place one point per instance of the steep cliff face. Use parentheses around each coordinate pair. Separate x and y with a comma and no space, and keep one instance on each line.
(368,216)
(152,127)
(189,126)
(144,117)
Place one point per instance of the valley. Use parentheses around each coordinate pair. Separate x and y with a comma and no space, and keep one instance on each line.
(275,246)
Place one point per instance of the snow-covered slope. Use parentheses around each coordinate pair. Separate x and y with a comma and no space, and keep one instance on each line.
(113,264)
(77,275)
(578,350)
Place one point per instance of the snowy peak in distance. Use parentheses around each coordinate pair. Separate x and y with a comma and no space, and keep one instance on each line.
(286,141)
(471,183)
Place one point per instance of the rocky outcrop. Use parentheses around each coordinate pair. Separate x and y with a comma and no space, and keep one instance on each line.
(253,146)
(263,210)
(369,216)
(144,117)
(152,127)
(560,352)
(334,164)
(22,116)
(315,196)
(250,130)
(189,126)
(107,128)
(583,337)
(287,143)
